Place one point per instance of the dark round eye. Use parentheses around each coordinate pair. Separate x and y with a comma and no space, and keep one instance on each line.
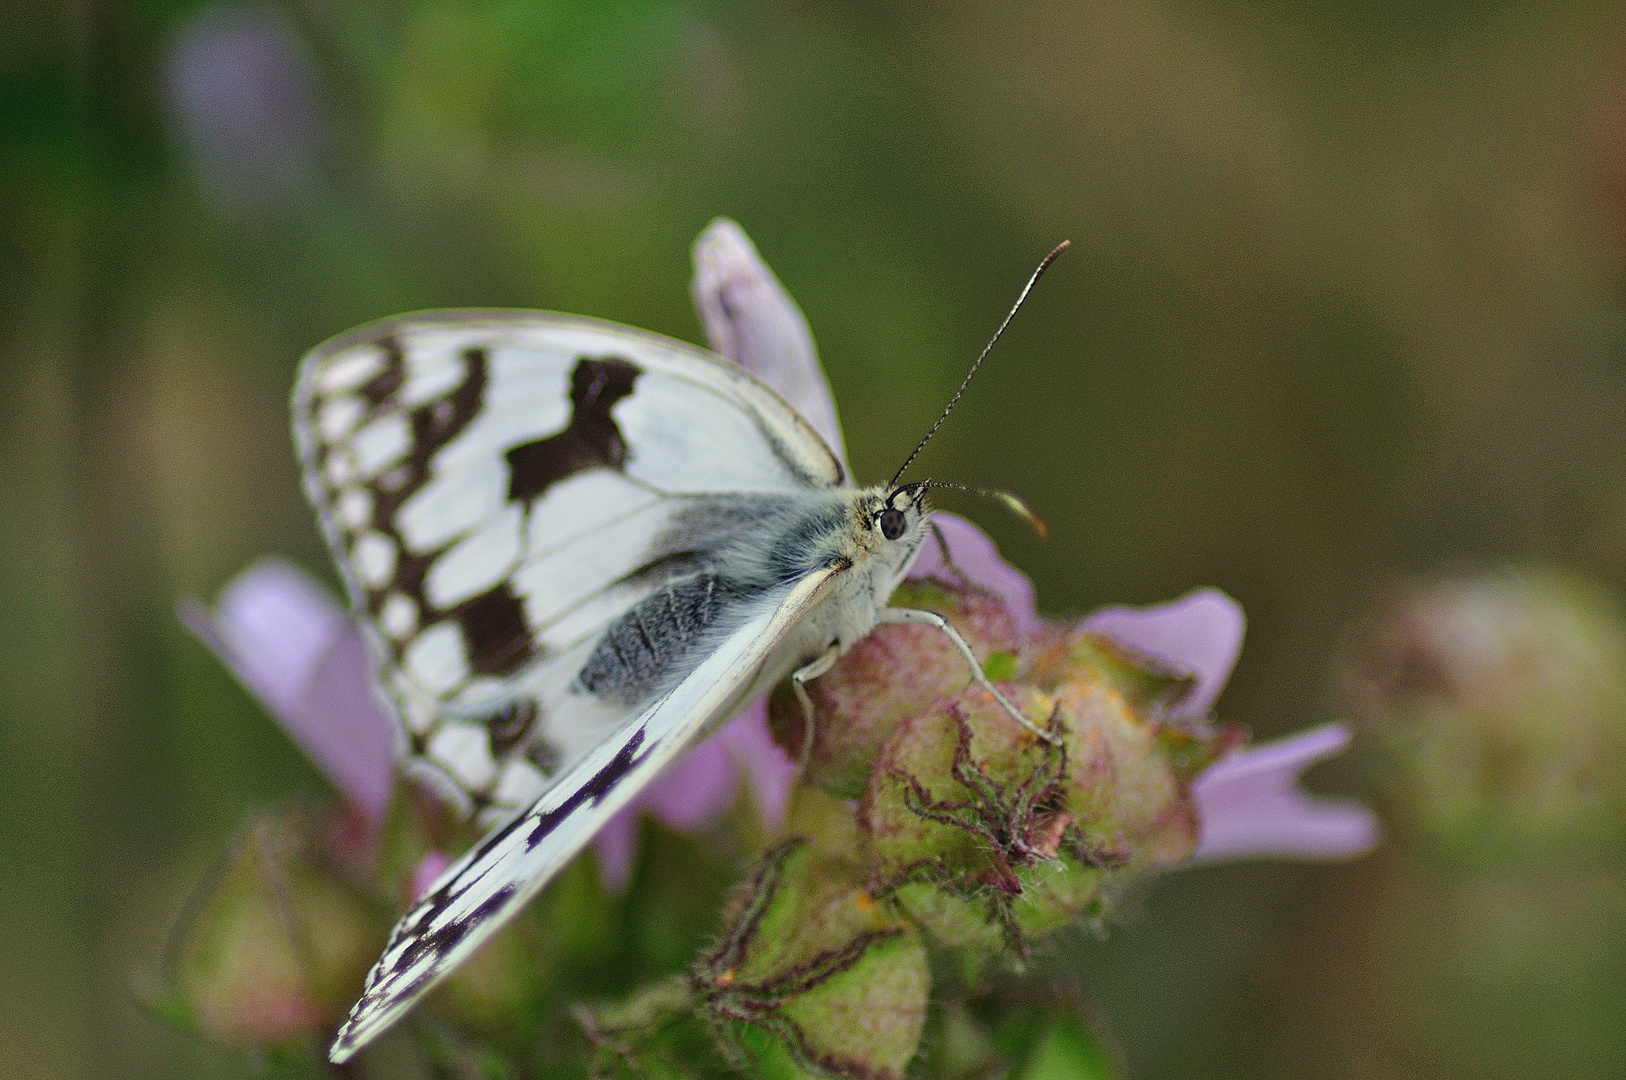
(892,522)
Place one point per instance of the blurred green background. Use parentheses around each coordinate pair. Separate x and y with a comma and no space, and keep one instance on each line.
(1345,301)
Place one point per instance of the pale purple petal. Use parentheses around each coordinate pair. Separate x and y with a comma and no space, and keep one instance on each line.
(241,96)
(295,649)
(340,723)
(1200,633)
(750,318)
(1250,806)
(426,873)
(615,845)
(769,771)
(976,556)
(275,623)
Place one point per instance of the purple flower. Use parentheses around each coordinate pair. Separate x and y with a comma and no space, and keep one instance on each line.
(750,318)
(298,652)
(241,96)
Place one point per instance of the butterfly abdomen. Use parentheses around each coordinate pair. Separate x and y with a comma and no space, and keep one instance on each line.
(641,651)
(723,558)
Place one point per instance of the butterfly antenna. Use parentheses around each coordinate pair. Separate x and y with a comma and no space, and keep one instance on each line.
(955,400)
(1012,502)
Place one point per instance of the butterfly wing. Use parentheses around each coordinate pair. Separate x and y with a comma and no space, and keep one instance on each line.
(498,488)
(491,883)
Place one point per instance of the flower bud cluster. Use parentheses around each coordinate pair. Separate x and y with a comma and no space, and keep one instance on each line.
(274,944)
(985,834)
(1499,702)
(932,821)
(929,824)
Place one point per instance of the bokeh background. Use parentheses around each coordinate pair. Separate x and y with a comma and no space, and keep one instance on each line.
(1346,302)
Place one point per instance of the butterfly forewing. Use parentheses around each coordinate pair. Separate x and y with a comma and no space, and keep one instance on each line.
(494,880)
(499,488)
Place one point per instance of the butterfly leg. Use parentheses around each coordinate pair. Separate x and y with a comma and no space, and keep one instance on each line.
(798,682)
(917,617)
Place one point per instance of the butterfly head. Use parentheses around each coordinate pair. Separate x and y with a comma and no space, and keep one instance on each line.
(900,517)
(902,512)
(891,524)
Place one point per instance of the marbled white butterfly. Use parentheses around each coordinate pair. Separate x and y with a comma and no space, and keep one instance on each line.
(575,548)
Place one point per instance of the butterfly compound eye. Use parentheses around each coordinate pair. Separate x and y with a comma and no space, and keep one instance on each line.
(892,522)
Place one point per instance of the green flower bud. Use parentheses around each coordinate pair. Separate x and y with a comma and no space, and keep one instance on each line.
(887,677)
(1500,705)
(814,969)
(276,948)
(987,834)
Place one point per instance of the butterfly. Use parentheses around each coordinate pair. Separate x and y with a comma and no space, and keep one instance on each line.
(575,549)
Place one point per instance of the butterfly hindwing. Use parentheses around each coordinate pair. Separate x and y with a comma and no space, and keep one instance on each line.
(490,884)
(501,487)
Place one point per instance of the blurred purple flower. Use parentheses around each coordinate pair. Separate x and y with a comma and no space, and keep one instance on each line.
(240,91)
(1250,806)
(298,652)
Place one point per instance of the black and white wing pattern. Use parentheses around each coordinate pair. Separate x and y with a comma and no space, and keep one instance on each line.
(500,489)
(499,875)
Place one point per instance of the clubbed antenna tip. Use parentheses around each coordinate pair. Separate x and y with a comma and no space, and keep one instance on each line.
(1012,502)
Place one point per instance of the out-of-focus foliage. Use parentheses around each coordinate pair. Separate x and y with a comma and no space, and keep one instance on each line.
(1345,298)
